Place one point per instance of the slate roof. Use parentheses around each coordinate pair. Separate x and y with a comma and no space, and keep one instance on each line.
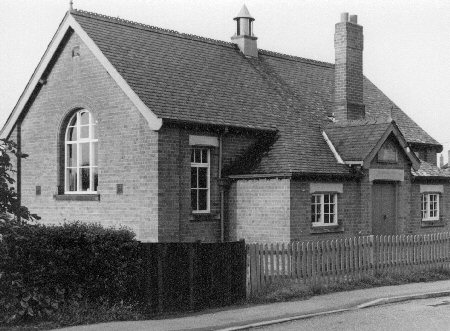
(188,78)
(429,170)
(355,140)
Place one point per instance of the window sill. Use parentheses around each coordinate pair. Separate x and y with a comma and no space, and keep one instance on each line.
(335,228)
(203,217)
(77,197)
(432,223)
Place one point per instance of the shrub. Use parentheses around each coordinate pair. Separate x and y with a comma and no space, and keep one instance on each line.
(44,268)
(9,199)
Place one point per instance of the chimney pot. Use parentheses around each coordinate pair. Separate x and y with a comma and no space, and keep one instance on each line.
(344,17)
(354,19)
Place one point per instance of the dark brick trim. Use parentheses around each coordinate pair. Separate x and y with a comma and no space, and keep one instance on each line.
(431,179)
(207,217)
(77,197)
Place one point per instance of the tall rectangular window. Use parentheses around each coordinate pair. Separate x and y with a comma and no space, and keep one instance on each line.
(324,209)
(81,144)
(200,183)
(430,207)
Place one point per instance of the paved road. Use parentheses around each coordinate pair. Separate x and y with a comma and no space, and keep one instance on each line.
(427,314)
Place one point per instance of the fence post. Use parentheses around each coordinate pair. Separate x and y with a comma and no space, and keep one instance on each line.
(372,255)
(242,248)
(161,250)
(191,275)
(253,274)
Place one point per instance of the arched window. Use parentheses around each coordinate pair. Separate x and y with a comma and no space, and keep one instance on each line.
(81,168)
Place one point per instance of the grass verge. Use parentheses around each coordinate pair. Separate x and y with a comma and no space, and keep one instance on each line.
(287,290)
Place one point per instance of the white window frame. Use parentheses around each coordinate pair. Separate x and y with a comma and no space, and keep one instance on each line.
(320,220)
(426,206)
(206,165)
(92,126)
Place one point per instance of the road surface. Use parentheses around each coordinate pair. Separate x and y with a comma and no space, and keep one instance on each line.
(426,314)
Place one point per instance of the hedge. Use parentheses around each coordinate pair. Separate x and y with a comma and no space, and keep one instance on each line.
(43,268)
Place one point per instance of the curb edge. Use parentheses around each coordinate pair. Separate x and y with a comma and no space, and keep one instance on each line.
(373,303)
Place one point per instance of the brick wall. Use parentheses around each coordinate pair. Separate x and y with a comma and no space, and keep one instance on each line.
(415,224)
(127,148)
(259,210)
(176,218)
(349,212)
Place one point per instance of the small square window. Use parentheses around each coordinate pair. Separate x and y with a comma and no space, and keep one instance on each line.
(324,209)
(76,51)
(119,189)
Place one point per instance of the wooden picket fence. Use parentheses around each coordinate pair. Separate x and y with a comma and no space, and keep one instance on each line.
(342,260)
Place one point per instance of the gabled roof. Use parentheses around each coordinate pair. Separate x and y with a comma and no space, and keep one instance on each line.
(360,141)
(179,77)
(355,140)
(39,76)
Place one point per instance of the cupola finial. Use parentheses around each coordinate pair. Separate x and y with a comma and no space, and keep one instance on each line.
(244,36)
(70,5)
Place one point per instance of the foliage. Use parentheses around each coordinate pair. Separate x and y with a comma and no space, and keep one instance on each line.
(44,268)
(86,312)
(9,200)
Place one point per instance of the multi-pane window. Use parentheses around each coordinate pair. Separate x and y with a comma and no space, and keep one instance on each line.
(430,206)
(324,209)
(200,179)
(81,169)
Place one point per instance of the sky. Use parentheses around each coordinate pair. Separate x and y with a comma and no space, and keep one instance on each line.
(406,42)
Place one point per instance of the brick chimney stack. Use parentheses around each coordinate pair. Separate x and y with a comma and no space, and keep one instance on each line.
(348,72)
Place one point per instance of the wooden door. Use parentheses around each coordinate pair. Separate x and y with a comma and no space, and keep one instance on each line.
(384,209)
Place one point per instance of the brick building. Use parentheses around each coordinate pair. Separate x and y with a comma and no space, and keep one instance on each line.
(183,138)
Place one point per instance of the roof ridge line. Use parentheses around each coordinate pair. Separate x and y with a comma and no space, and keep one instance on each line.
(194,37)
(148,27)
(296,58)
(370,121)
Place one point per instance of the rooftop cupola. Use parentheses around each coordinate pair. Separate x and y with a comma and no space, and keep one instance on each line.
(244,37)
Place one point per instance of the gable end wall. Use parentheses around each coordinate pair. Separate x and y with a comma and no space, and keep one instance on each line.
(127,148)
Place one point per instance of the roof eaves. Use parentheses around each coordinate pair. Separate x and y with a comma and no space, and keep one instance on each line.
(176,121)
(256,176)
